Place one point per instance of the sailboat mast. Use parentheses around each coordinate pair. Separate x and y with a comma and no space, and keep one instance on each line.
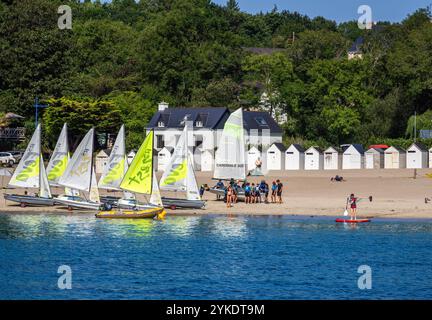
(91,159)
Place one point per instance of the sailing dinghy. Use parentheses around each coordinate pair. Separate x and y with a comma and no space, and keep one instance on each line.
(140,178)
(59,161)
(115,170)
(230,160)
(30,173)
(80,175)
(179,175)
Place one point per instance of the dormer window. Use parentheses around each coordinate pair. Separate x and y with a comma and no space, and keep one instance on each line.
(199,124)
(161,124)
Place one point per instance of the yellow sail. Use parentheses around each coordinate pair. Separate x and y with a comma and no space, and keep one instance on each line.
(138,178)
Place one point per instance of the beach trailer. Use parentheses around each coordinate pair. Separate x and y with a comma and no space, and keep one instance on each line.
(163,157)
(101,161)
(314,159)
(276,156)
(374,158)
(207,160)
(394,158)
(352,157)
(332,159)
(253,154)
(417,156)
(295,157)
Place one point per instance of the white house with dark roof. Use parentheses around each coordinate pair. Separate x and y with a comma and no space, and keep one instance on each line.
(294,157)
(207,124)
(276,156)
(417,156)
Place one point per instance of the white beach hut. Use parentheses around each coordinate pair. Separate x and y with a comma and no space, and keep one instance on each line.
(352,157)
(276,156)
(332,159)
(294,157)
(394,158)
(417,156)
(374,158)
(163,157)
(131,156)
(207,160)
(101,161)
(253,154)
(430,158)
(314,159)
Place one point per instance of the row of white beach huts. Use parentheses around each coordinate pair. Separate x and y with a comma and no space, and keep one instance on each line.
(278,157)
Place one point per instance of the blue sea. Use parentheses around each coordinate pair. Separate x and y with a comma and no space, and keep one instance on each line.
(213,257)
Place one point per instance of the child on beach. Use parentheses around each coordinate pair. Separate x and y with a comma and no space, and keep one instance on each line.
(247,189)
(279,191)
(273,193)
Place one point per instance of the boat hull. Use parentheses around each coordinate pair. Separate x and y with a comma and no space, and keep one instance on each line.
(132,214)
(24,200)
(174,203)
(78,203)
(134,205)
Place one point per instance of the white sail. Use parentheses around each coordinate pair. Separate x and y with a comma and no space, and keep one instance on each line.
(155,197)
(44,190)
(192,190)
(94,192)
(230,155)
(78,173)
(26,174)
(59,159)
(117,165)
(175,174)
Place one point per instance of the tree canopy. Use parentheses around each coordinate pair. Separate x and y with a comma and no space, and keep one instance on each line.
(123,57)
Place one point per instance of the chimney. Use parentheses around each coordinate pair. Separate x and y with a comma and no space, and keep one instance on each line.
(162,106)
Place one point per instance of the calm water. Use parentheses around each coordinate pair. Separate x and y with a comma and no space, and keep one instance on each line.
(212,258)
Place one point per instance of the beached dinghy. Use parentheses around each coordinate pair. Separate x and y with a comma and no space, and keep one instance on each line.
(30,173)
(80,175)
(230,160)
(179,175)
(140,178)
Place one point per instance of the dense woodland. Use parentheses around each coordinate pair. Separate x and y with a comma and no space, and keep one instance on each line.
(121,58)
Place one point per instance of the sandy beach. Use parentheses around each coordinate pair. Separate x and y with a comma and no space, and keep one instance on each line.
(396,194)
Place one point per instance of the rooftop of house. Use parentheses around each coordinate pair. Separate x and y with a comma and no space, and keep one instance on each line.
(209,118)
(280,146)
(355,47)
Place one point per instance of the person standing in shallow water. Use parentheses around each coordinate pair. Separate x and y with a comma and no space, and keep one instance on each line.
(352,202)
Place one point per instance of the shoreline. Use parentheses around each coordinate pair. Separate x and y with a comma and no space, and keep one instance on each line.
(396,195)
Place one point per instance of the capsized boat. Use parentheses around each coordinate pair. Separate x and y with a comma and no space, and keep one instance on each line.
(30,173)
(179,175)
(80,175)
(230,160)
(140,178)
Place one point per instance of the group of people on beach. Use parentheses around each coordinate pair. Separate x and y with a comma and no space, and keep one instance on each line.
(253,192)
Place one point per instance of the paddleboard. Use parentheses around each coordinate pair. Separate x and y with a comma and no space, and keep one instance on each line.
(353,221)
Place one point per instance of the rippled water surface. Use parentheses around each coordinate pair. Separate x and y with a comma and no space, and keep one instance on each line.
(212,257)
